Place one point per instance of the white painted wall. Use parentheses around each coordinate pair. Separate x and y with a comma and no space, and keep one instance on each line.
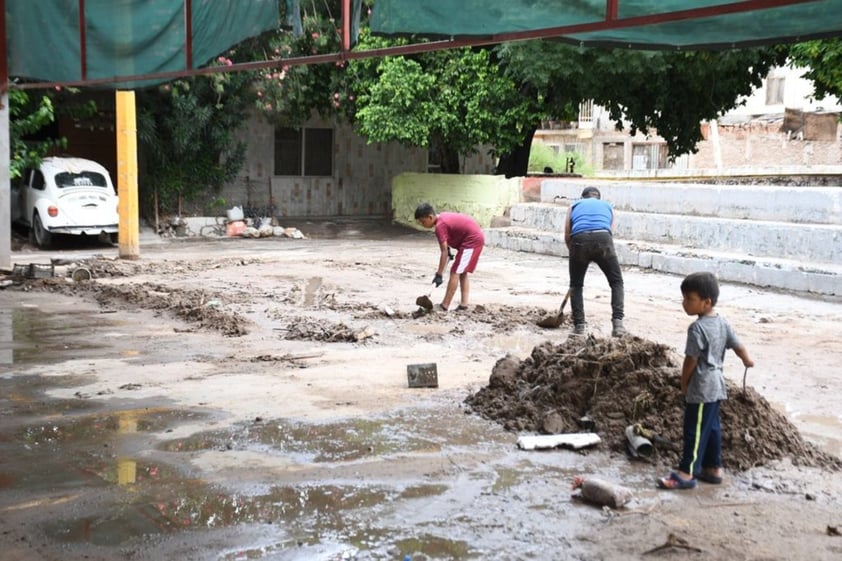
(798,92)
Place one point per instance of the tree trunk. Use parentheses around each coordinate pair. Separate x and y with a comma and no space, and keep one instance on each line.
(516,162)
(445,157)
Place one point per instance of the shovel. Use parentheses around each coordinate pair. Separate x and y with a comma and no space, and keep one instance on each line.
(555,321)
(424,301)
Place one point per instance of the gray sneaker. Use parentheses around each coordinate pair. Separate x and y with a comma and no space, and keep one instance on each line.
(580,329)
(618,330)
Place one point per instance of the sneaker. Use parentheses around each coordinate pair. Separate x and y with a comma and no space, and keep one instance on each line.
(618,330)
(440,308)
(580,329)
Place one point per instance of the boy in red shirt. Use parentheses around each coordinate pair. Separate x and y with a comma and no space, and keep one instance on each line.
(462,233)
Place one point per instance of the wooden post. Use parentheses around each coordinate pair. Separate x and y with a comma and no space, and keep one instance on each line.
(129,244)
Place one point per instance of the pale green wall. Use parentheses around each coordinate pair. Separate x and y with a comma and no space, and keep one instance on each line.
(480,196)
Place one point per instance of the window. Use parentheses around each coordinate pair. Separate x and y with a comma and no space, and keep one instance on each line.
(775,90)
(649,156)
(81,179)
(305,151)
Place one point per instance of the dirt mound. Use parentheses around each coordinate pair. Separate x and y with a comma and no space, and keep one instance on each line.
(318,330)
(205,310)
(620,382)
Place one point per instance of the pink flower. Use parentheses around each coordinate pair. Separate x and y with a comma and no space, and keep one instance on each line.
(315,35)
(268,107)
(259,94)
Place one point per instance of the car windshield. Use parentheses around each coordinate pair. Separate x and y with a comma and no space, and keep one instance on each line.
(81,179)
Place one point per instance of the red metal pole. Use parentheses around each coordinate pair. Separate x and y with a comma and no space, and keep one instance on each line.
(188,33)
(83,45)
(612,10)
(346,25)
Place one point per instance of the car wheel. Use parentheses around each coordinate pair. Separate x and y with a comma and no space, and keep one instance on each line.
(43,238)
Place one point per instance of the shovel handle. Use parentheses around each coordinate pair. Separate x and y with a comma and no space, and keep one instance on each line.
(564,303)
(745,372)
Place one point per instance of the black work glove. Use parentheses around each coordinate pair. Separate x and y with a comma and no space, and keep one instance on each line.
(437,280)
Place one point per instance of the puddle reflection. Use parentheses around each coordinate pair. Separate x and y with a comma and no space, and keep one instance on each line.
(29,335)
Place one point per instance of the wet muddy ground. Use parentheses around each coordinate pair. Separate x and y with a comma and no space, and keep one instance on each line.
(248,399)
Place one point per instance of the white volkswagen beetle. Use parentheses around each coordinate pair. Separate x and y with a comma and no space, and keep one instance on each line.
(70,196)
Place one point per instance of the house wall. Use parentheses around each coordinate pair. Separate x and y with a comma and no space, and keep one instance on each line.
(799,131)
(759,144)
(361,185)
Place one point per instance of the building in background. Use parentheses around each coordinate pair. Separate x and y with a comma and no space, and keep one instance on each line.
(779,125)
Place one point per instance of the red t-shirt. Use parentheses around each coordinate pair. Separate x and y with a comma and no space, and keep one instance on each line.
(458,231)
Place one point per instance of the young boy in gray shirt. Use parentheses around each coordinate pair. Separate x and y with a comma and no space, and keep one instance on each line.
(703,384)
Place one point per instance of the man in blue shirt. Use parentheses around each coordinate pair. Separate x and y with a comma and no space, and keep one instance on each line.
(588,235)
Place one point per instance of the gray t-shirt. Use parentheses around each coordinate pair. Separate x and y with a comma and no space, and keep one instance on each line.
(707,340)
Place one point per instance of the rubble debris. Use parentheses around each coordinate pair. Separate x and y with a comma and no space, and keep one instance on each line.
(625,381)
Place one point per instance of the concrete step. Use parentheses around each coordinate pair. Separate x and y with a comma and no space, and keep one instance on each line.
(755,238)
(802,205)
(787,274)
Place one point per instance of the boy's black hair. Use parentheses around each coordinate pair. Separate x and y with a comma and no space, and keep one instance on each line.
(591,193)
(424,209)
(704,284)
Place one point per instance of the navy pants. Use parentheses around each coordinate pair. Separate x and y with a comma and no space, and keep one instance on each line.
(594,247)
(702,438)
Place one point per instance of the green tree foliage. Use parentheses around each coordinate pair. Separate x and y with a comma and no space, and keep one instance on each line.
(186,133)
(668,93)
(27,116)
(450,101)
(823,60)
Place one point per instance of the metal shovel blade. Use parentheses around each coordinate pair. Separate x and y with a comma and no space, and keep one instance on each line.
(424,302)
(552,322)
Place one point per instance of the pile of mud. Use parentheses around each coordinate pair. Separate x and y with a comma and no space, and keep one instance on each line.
(614,383)
(317,330)
(204,310)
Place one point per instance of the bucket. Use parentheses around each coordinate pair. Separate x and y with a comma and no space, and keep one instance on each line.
(235,213)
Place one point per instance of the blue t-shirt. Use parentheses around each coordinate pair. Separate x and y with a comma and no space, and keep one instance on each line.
(589,215)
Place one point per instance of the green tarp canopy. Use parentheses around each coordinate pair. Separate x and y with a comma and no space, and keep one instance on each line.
(47,41)
(646,24)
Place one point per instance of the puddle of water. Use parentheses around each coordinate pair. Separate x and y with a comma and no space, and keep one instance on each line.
(31,336)
(23,395)
(435,547)
(417,431)
(826,430)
